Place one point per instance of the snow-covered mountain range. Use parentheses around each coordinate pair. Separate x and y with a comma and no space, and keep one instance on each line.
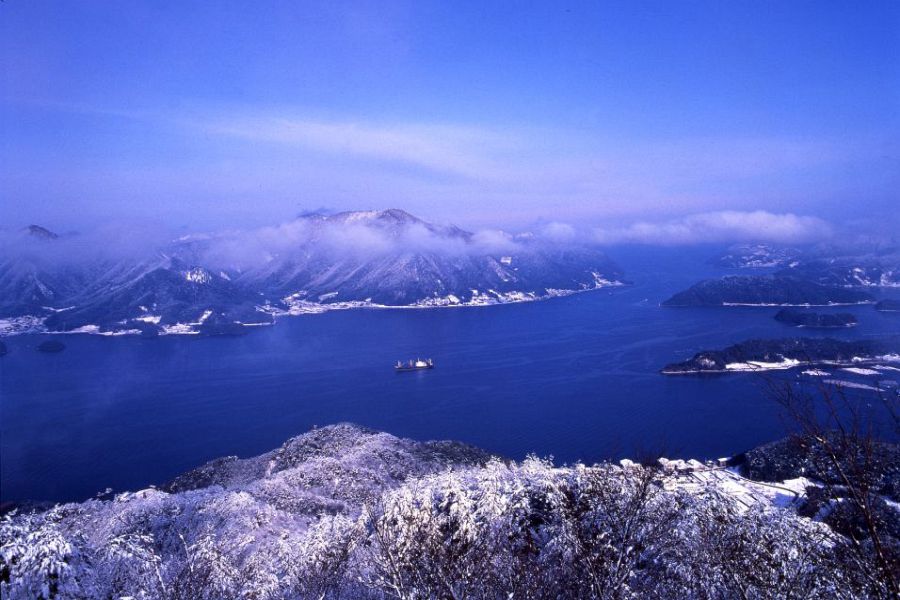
(223,282)
(849,265)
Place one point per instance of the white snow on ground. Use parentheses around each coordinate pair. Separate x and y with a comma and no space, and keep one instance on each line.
(197,275)
(85,329)
(601,282)
(31,324)
(298,305)
(448,300)
(889,280)
(178,329)
(185,328)
(756,365)
(360,215)
(95,330)
(861,371)
(696,477)
(795,304)
(21,325)
(816,373)
(851,385)
(886,368)
(154,319)
(57,310)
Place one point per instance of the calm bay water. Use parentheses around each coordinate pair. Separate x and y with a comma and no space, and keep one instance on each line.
(576,378)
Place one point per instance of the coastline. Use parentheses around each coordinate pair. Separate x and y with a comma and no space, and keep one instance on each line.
(31,324)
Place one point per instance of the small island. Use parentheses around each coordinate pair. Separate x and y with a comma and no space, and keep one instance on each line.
(799,318)
(766,290)
(787,353)
(51,346)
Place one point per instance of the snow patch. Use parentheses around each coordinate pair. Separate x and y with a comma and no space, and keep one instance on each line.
(21,325)
(860,371)
(154,319)
(758,365)
(297,304)
(57,310)
(197,275)
(178,329)
(840,383)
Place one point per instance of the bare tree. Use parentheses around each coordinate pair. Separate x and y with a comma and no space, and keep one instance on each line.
(840,431)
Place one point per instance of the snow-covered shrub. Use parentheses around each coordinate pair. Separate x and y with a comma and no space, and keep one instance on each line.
(293,524)
(39,561)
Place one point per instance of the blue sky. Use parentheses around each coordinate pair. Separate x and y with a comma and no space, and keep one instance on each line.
(485,113)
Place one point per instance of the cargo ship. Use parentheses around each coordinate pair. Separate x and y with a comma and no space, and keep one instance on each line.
(414,365)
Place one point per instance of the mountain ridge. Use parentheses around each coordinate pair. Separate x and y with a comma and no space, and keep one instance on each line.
(223,282)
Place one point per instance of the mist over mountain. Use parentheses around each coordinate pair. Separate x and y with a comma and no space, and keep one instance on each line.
(219,282)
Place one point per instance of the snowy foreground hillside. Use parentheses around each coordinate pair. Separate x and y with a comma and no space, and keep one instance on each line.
(345,512)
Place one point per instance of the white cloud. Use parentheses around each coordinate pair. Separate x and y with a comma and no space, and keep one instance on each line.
(558,232)
(493,240)
(259,165)
(456,149)
(722,226)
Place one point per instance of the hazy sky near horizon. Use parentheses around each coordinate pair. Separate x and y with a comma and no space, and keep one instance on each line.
(203,114)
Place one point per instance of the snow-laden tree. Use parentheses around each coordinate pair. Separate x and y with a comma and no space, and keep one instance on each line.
(290,528)
(206,572)
(127,566)
(534,531)
(39,561)
(322,567)
(723,549)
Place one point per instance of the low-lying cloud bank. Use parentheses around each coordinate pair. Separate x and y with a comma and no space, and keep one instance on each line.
(372,234)
(334,237)
(720,227)
(338,238)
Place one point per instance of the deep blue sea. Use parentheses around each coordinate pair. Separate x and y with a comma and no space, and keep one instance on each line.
(576,378)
